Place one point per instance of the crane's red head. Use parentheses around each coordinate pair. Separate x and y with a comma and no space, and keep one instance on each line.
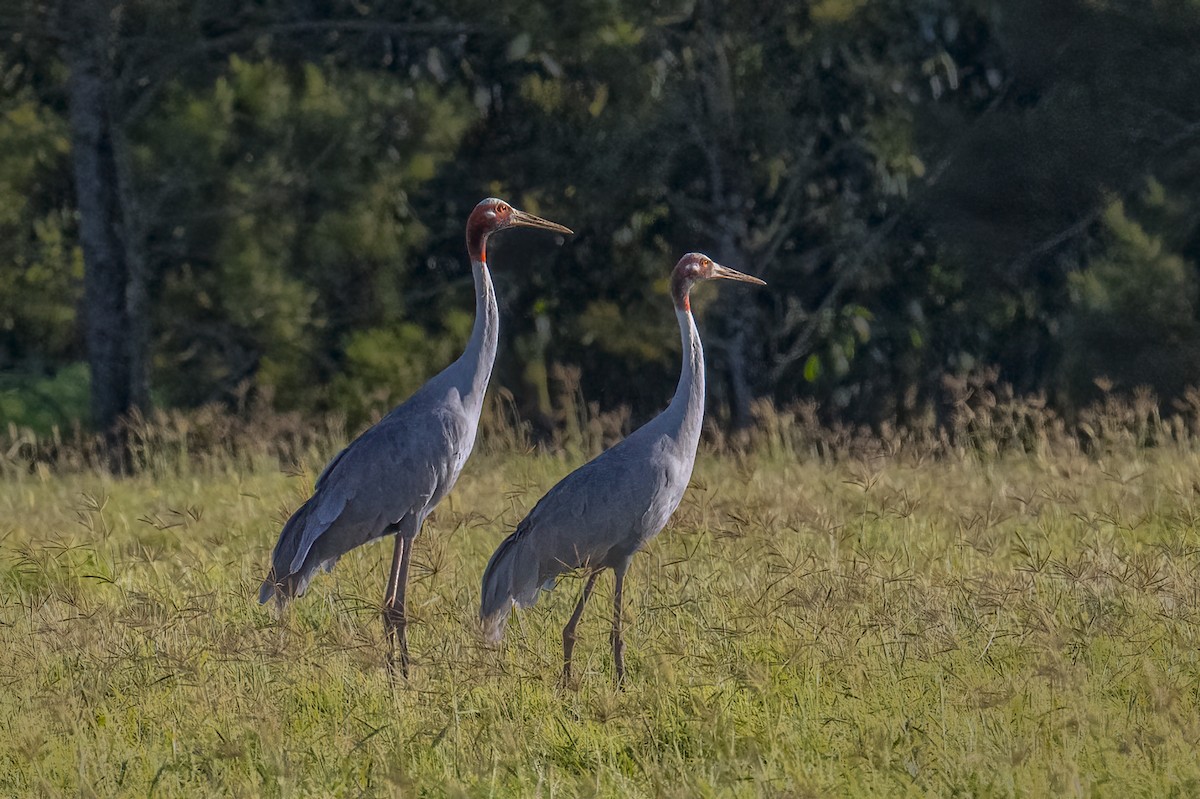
(492,215)
(695,267)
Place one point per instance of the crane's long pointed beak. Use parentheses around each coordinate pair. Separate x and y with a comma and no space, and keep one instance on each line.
(733,274)
(522,219)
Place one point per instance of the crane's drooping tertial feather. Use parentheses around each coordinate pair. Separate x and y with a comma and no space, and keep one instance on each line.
(390,477)
(397,470)
(598,516)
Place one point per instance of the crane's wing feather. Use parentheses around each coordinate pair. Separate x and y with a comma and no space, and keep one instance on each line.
(595,517)
(402,465)
(333,462)
(592,510)
(395,468)
(605,510)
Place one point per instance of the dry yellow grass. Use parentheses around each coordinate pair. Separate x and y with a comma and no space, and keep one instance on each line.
(962,626)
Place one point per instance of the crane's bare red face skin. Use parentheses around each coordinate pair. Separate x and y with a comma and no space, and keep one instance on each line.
(690,268)
(492,215)
(488,217)
(695,267)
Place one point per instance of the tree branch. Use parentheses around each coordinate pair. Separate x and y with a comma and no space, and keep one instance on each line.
(166,67)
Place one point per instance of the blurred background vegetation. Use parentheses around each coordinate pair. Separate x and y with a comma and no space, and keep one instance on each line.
(262,203)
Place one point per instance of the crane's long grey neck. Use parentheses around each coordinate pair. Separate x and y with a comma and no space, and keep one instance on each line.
(480,353)
(687,407)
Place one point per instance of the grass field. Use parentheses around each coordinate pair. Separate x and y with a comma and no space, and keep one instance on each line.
(891,626)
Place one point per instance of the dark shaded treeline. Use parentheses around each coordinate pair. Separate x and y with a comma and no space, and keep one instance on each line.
(204,199)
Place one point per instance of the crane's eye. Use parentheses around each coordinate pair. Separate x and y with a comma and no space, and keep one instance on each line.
(707,263)
(502,209)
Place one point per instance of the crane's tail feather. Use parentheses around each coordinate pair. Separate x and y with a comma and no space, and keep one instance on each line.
(267,590)
(286,589)
(281,583)
(510,579)
(289,588)
(496,602)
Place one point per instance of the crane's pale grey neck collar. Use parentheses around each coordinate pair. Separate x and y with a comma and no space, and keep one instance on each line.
(686,411)
(480,354)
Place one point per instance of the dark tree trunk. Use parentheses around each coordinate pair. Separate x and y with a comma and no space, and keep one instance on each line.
(111,285)
(736,311)
(740,394)
(716,138)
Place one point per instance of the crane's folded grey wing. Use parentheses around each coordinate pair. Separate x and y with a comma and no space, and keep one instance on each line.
(352,473)
(328,504)
(386,474)
(329,467)
(592,512)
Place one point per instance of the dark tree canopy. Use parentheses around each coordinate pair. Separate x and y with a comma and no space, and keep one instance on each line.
(930,188)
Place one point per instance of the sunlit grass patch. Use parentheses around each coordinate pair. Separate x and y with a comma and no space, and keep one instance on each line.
(854,626)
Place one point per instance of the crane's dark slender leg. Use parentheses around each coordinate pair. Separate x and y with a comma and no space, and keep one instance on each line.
(395,611)
(389,594)
(390,621)
(569,630)
(618,644)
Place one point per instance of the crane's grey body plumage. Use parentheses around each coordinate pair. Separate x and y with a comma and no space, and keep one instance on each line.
(598,516)
(601,514)
(390,477)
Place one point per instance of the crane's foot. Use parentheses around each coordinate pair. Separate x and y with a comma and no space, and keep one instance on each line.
(398,658)
(395,664)
(568,649)
(566,680)
(618,646)
(395,623)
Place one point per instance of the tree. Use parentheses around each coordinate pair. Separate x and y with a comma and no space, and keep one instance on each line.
(122,58)
(1135,317)
(1097,102)
(289,237)
(779,138)
(927,186)
(114,295)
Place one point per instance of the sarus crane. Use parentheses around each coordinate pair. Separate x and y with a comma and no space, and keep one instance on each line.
(390,477)
(598,516)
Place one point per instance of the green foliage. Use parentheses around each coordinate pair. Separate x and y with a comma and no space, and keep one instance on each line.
(40,264)
(604,323)
(1134,315)
(1136,280)
(41,403)
(308,173)
(385,365)
(917,181)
